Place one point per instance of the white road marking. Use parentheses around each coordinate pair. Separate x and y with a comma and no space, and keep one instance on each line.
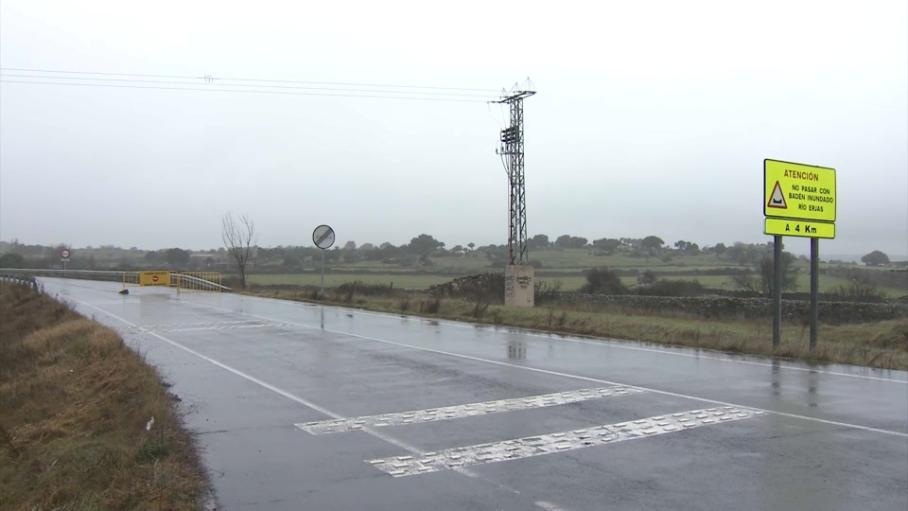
(547,371)
(730,358)
(600,341)
(219,327)
(417,451)
(248,377)
(461,411)
(381,436)
(606,341)
(583,378)
(200,326)
(548,506)
(519,448)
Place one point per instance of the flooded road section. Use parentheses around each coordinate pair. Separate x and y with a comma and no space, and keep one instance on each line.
(299,406)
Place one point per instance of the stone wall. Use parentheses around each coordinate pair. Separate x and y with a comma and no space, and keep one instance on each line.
(745,308)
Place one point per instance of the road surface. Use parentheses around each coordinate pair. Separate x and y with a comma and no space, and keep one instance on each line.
(299,406)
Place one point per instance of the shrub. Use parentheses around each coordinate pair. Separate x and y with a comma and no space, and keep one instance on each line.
(361,288)
(859,289)
(430,306)
(479,309)
(673,288)
(604,282)
(483,287)
(12,260)
(875,258)
(544,291)
(647,278)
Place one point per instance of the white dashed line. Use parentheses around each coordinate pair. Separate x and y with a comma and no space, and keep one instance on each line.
(196,327)
(461,411)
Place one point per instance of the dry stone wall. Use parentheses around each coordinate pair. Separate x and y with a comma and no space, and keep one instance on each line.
(723,307)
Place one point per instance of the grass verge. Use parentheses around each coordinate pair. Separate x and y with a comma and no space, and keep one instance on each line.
(881,344)
(569,282)
(76,409)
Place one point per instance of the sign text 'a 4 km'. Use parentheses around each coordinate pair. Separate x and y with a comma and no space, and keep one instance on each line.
(800,228)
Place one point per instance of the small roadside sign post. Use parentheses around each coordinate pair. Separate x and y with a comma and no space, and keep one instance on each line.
(323,237)
(64,257)
(798,200)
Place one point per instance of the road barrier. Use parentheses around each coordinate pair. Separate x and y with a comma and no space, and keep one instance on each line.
(198,281)
(18,279)
(181,280)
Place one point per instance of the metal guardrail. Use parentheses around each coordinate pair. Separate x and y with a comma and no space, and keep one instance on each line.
(18,279)
(194,281)
(105,275)
(198,281)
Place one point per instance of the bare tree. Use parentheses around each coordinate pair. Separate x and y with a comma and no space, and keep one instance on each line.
(239,240)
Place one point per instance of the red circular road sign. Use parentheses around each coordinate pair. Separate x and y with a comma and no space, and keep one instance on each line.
(64,253)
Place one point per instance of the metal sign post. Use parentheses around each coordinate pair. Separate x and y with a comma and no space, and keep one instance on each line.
(798,200)
(776,291)
(323,237)
(64,257)
(814,288)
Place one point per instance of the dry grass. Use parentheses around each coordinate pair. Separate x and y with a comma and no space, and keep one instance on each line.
(74,405)
(882,344)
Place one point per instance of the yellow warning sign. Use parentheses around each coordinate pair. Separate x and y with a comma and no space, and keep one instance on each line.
(802,228)
(796,190)
(154,278)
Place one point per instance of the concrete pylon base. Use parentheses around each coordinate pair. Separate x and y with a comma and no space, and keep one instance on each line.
(519,283)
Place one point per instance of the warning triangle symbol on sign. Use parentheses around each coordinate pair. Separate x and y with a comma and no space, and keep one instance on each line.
(777,199)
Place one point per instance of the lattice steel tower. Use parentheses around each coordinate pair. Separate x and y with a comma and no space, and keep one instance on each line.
(512,154)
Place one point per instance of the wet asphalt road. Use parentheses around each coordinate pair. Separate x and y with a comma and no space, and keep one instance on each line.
(268,383)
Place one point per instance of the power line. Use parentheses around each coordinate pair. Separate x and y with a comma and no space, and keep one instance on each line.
(247,91)
(262,80)
(66,79)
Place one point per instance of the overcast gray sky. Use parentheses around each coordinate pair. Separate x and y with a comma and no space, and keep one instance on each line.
(652,117)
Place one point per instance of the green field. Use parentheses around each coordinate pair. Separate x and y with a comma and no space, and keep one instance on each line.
(569,259)
(566,266)
(583,259)
(416,282)
(399,280)
(422,281)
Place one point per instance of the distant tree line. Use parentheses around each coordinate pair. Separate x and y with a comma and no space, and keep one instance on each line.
(419,253)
